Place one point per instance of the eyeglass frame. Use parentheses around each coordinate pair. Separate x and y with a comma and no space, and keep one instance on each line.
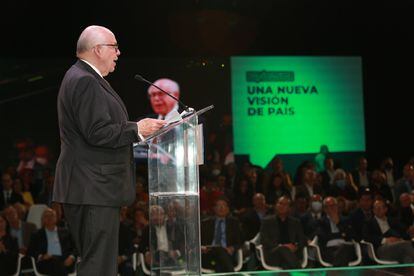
(115,45)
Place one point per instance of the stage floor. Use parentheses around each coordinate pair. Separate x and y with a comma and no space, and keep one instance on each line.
(379,270)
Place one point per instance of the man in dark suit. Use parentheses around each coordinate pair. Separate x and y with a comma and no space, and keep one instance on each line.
(52,247)
(363,213)
(7,195)
(282,237)
(95,171)
(387,236)
(335,234)
(220,238)
(252,219)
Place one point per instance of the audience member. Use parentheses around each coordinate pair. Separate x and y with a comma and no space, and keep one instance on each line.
(387,236)
(282,237)
(8,249)
(7,195)
(251,220)
(277,189)
(221,237)
(310,220)
(166,242)
(361,175)
(52,247)
(335,235)
(363,213)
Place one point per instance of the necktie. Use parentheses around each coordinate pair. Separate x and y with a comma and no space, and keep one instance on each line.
(218,234)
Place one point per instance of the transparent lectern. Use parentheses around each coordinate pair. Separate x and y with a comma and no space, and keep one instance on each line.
(173,158)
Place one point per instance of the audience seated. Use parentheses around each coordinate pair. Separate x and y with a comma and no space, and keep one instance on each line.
(282,237)
(310,220)
(52,247)
(167,239)
(252,219)
(335,235)
(8,249)
(363,213)
(7,195)
(30,180)
(387,235)
(221,237)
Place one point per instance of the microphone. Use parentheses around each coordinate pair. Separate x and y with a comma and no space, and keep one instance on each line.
(182,105)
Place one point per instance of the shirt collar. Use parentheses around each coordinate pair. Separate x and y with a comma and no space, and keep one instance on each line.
(93,67)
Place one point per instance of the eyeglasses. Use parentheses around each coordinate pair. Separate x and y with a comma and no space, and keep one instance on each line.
(114,46)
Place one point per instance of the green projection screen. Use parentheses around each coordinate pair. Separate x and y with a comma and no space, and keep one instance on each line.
(293,105)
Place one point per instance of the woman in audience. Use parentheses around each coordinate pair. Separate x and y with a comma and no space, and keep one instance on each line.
(277,188)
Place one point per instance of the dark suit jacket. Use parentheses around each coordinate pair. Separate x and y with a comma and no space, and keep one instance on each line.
(233,232)
(175,235)
(270,234)
(325,234)
(251,223)
(357,219)
(13,199)
(95,165)
(38,243)
(371,231)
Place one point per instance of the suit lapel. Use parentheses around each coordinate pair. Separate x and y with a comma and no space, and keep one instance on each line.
(111,91)
(103,83)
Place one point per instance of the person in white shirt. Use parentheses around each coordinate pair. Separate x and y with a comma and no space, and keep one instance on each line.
(163,105)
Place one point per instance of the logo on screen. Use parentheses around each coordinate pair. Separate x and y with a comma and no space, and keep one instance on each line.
(270,76)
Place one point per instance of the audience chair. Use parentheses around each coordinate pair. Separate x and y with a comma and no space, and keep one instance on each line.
(260,254)
(314,244)
(371,253)
(37,273)
(19,264)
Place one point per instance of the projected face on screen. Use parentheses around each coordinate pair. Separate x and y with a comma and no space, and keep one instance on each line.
(294,105)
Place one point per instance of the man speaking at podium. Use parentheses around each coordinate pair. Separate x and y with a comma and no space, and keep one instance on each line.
(95,172)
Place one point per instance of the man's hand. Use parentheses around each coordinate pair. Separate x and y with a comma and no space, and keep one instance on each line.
(2,247)
(45,257)
(69,261)
(148,126)
(230,250)
(390,240)
(292,247)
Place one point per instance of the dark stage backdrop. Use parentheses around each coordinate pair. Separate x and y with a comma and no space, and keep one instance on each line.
(28,106)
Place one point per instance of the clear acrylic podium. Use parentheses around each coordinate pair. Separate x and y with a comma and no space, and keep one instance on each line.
(173,156)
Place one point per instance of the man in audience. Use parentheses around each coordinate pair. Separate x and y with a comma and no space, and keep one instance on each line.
(20,230)
(387,236)
(406,214)
(406,183)
(309,185)
(361,175)
(7,195)
(363,213)
(334,235)
(252,219)
(310,220)
(166,245)
(282,237)
(52,247)
(220,238)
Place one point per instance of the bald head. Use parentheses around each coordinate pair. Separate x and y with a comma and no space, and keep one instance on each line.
(91,36)
(97,45)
